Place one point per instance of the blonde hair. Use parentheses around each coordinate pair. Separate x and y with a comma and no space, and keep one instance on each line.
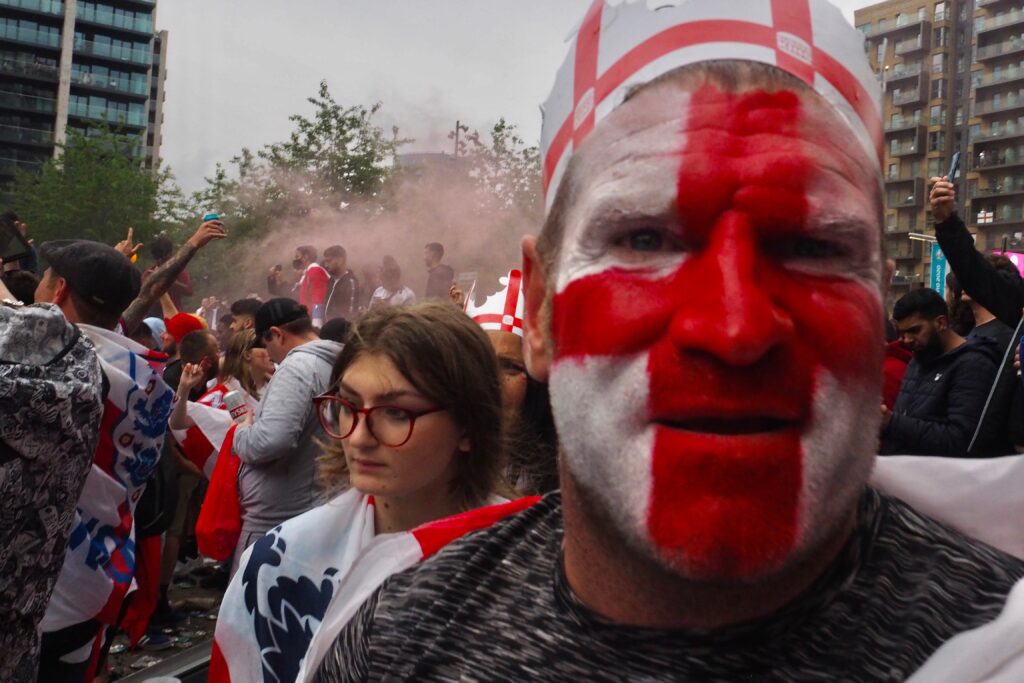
(236,362)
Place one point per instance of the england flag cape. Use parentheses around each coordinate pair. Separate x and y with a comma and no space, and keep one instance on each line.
(288,579)
(202,442)
(99,565)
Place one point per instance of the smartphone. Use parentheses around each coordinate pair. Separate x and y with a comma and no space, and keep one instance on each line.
(211,217)
(13,246)
(954,167)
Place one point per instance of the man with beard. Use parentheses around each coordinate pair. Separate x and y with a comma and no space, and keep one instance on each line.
(705,304)
(945,386)
(343,289)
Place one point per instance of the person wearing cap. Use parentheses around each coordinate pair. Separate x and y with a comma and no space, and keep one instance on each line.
(277,478)
(705,302)
(92,284)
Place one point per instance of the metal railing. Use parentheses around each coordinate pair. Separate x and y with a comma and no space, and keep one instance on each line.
(27,35)
(1011,18)
(127,85)
(31,69)
(14,100)
(912,45)
(907,97)
(124,54)
(1004,48)
(1003,104)
(19,134)
(106,114)
(45,6)
(109,18)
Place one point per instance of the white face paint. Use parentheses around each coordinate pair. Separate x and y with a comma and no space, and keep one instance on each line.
(706,391)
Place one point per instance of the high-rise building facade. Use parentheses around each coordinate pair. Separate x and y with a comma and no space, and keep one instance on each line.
(71,63)
(917,49)
(953,75)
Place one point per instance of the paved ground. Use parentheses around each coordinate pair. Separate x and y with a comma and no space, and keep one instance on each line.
(200,604)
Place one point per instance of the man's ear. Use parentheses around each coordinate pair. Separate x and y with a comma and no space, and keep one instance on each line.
(535,289)
(61,292)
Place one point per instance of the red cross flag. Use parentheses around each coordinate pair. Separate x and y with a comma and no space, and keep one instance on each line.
(502,312)
(620,47)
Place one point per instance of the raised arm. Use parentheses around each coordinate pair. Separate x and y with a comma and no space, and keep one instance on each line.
(996,291)
(160,281)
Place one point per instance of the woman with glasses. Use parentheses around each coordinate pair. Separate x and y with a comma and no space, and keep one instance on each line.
(413,434)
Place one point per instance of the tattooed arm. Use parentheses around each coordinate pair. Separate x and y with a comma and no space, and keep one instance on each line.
(160,281)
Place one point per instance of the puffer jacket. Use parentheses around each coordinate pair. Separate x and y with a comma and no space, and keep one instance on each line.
(940,402)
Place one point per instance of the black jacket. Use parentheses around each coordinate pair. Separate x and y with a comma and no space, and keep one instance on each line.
(940,402)
(342,297)
(999,292)
(994,436)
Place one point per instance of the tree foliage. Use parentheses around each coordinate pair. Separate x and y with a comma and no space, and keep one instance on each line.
(507,170)
(95,189)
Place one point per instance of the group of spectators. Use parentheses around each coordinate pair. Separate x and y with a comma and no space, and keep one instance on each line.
(692,355)
(951,372)
(329,289)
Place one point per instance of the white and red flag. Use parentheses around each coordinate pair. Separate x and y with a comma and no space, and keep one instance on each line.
(100,563)
(312,573)
(203,441)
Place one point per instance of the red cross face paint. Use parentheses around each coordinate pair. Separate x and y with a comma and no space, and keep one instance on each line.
(717,326)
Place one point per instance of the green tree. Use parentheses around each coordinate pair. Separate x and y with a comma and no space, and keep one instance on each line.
(507,170)
(95,189)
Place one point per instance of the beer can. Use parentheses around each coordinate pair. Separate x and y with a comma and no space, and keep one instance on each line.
(236,405)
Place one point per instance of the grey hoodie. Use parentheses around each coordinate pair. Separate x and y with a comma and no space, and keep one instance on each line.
(277,480)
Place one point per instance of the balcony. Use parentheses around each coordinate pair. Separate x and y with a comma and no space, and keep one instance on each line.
(901,72)
(109,84)
(1014,17)
(908,252)
(996,159)
(904,23)
(113,116)
(1007,47)
(905,151)
(991,3)
(117,54)
(905,125)
(1007,215)
(55,7)
(1015,186)
(920,44)
(907,197)
(9,167)
(42,72)
(1014,73)
(32,136)
(898,230)
(1003,104)
(142,25)
(29,36)
(30,103)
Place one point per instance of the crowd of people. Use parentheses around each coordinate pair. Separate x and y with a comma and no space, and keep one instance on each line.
(654,453)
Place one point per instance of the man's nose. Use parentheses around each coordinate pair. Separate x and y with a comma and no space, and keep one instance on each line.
(730,315)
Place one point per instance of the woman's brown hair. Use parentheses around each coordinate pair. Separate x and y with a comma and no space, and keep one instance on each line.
(236,364)
(450,361)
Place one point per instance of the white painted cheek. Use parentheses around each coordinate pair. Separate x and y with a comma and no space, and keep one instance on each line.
(600,409)
(838,454)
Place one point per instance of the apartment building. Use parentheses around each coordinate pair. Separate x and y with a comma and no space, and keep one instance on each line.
(71,63)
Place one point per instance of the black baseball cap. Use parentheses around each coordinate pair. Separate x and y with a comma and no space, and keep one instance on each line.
(98,273)
(275,313)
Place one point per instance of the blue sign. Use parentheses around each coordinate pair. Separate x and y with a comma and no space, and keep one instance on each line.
(937,280)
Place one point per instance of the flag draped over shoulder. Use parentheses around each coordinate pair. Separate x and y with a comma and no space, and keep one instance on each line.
(202,442)
(99,564)
(292,582)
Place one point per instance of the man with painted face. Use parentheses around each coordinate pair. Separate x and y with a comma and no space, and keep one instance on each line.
(706,304)
(944,389)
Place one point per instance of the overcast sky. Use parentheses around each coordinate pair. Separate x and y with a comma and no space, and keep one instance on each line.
(237,70)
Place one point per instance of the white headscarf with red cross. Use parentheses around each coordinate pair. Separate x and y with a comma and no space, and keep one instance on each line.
(620,47)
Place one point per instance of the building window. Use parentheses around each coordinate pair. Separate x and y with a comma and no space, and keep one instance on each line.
(937,115)
(959,116)
(894,171)
(936,141)
(939,63)
(865,29)
(940,11)
(880,54)
(934,167)
(939,89)
(941,37)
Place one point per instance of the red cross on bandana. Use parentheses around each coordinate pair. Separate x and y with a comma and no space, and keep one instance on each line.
(790,35)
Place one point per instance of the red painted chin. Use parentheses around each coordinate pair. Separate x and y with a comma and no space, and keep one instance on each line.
(725,505)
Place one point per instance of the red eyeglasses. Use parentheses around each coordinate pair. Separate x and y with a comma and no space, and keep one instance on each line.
(390,425)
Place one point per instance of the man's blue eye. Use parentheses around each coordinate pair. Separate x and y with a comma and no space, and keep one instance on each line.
(645,240)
